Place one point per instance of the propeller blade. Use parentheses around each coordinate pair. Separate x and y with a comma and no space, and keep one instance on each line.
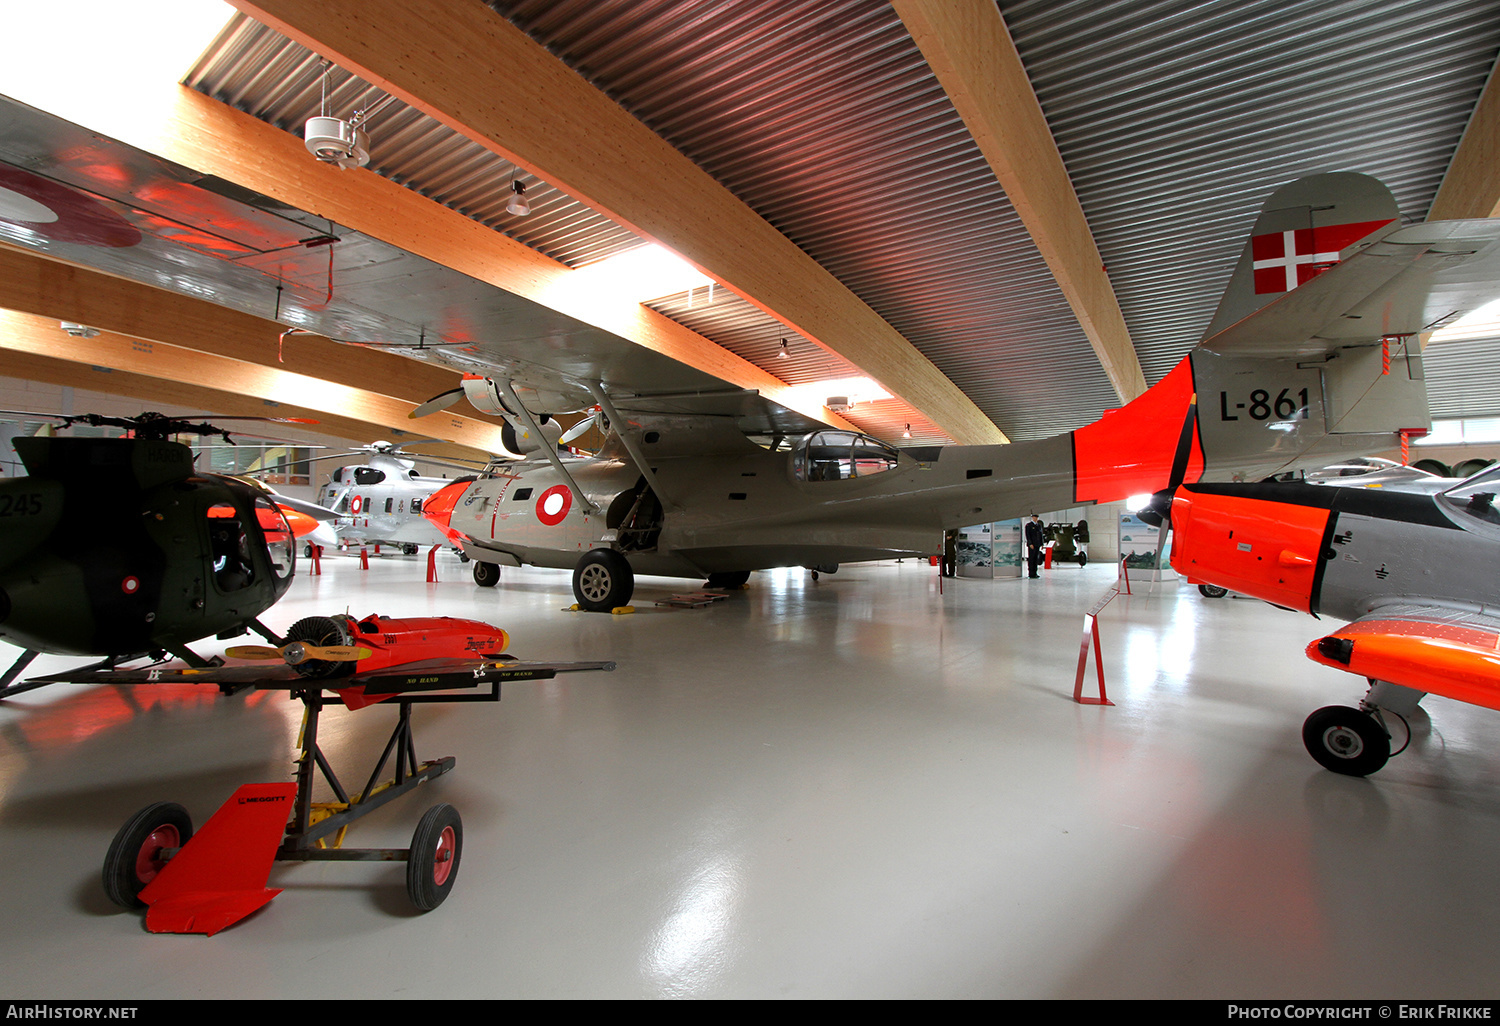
(299,652)
(1184,446)
(441,401)
(581,428)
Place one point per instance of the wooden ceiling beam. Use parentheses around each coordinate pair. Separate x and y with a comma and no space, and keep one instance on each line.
(968,47)
(475,72)
(27,364)
(169,335)
(1471,186)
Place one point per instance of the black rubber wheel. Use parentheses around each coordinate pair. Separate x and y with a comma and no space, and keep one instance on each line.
(1346,740)
(728,581)
(1212,591)
(408,549)
(321,630)
(432,863)
(1083,559)
(486,575)
(603,581)
(462,556)
(134,856)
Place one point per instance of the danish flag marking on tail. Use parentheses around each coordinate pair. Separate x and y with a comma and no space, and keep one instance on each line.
(1284,260)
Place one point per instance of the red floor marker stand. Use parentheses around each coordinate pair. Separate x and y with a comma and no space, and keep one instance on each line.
(364,558)
(377,548)
(432,564)
(317,560)
(1091,634)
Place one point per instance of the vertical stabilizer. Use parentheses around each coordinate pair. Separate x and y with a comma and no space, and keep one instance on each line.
(1305,228)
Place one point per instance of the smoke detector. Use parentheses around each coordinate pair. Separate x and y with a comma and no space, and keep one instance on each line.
(336,141)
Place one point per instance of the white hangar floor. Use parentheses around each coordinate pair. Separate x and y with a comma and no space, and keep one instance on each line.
(857,787)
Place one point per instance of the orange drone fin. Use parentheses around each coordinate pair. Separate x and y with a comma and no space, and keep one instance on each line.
(219,876)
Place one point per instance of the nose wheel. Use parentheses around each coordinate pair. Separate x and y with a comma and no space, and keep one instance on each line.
(1346,740)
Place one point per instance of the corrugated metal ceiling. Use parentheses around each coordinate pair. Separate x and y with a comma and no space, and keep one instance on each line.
(1175,120)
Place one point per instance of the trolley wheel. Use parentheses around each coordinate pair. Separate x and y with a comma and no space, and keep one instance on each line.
(432,864)
(1083,559)
(1346,740)
(321,630)
(134,856)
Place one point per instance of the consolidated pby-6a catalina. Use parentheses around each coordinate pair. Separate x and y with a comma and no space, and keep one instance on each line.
(1310,357)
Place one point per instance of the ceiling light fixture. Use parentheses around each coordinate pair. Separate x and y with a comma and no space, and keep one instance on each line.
(336,141)
(907,432)
(518,204)
(782,354)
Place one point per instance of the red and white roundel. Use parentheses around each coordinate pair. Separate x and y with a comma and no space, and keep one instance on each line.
(130,585)
(355,504)
(553,505)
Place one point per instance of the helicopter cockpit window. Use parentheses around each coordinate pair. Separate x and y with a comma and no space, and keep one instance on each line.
(368,476)
(1476,497)
(229,546)
(839,455)
(281,545)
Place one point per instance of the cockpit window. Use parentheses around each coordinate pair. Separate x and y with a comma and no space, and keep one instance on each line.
(839,455)
(1476,497)
(368,476)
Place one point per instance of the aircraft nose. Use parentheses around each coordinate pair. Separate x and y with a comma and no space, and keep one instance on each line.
(438,509)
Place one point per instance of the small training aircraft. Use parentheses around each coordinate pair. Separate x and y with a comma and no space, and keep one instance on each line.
(1306,361)
(118,547)
(1414,572)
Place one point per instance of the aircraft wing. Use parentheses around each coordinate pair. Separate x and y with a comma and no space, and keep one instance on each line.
(427,675)
(1450,652)
(1414,279)
(252,253)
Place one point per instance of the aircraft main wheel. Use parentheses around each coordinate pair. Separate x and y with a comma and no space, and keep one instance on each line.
(486,575)
(728,581)
(1346,740)
(134,856)
(603,580)
(321,630)
(1083,559)
(1212,591)
(432,862)
(408,549)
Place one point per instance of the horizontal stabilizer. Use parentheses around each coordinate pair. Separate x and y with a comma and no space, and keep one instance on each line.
(219,876)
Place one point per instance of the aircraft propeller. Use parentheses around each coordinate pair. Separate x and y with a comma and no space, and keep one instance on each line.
(299,652)
(1158,512)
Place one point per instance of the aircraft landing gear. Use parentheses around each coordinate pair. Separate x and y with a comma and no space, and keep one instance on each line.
(1345,740)
(1212,591)
(486,575)
(603,581)
(728,581)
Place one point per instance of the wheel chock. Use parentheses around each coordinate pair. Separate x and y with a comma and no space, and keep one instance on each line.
(219,877)
(621,610)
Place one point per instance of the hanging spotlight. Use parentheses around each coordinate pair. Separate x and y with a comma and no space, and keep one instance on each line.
(518,204)
(782,354)
(336,141)
(907,432)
